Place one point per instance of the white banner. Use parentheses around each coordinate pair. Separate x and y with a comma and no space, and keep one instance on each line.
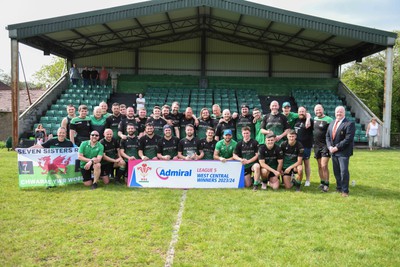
(185,174)
(42,167)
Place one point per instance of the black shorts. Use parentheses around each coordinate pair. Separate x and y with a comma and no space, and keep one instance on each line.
(270,175)
(87,174)
(321,152)
(248,170)
(292,171)
(106,169)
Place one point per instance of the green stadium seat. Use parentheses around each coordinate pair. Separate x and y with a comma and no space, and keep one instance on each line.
(46,126)
(50,113)
(55,107)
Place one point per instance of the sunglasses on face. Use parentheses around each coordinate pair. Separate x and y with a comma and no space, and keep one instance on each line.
(94,135)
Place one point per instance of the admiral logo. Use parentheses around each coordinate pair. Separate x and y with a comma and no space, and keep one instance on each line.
(165,174)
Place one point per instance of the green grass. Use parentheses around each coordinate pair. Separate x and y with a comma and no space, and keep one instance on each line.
(115,225)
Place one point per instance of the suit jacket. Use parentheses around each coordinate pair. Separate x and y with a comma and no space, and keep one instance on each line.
(344,138)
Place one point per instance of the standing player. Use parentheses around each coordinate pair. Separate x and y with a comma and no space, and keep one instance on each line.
(245,119)
(141,120)
(80,126)
(303,126)
(291,116)
(224,148)
(246,152)
(321,151)
(175,117)
(90,155)
(104,109)
(292,161)
(216,115)
(270,156)
(208,144)
(157,121)
(148,144)
(187,119)
(113,121)
(227,123)
(275,123)
(122,110)
(111,158)
(189,148)
(167,148)
(205,122)
(98,121)
(129,146)
(259,136)
(129,119)
(65,123)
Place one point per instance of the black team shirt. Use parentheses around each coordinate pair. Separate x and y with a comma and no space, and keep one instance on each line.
(149,145)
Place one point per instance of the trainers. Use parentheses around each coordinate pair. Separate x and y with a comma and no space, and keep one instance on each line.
(321,187)
(94,186)
(255,187)
(297,188)
(264,186)
(325,188)
(307,183)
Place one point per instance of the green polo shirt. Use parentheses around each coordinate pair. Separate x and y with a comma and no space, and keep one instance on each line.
(90,152)
(226,151)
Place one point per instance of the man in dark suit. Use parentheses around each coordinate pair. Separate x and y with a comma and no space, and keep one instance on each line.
(340,140)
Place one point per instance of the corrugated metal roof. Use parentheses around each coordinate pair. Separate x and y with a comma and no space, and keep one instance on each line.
(259,26)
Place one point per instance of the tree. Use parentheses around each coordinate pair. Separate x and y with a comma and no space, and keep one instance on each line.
(49,74)
(5,77)
(366,80)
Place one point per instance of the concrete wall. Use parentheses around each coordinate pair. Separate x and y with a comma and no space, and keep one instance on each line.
(5,125)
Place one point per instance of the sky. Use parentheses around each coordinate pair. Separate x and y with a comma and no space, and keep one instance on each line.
(379,14)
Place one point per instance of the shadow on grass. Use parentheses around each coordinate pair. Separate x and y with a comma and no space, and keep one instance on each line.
(357,191)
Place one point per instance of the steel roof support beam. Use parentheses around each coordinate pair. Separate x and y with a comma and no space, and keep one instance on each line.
(170,22)
(113,32)
(141,26)
(387,108)
(14,92)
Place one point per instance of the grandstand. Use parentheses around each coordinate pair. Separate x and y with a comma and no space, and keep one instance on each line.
(204,52)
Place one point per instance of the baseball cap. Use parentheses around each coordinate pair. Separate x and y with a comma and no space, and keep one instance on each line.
(286,104)
(228,131)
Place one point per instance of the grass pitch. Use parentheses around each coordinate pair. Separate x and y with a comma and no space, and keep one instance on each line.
(119,226)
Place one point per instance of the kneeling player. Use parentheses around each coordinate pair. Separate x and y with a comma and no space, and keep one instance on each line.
(270,157)
(90,155)
(292,161)
(111,159)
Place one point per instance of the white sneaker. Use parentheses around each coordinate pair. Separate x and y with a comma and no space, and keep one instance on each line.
(307,183)
(264,186)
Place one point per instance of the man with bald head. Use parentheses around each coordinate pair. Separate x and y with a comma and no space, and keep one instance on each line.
(340,141)
(226,123)
(98,121)
(90,155)
(321,152)
(275,123)
(111,158)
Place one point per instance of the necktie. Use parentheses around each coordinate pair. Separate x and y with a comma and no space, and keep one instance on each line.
(334,129)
